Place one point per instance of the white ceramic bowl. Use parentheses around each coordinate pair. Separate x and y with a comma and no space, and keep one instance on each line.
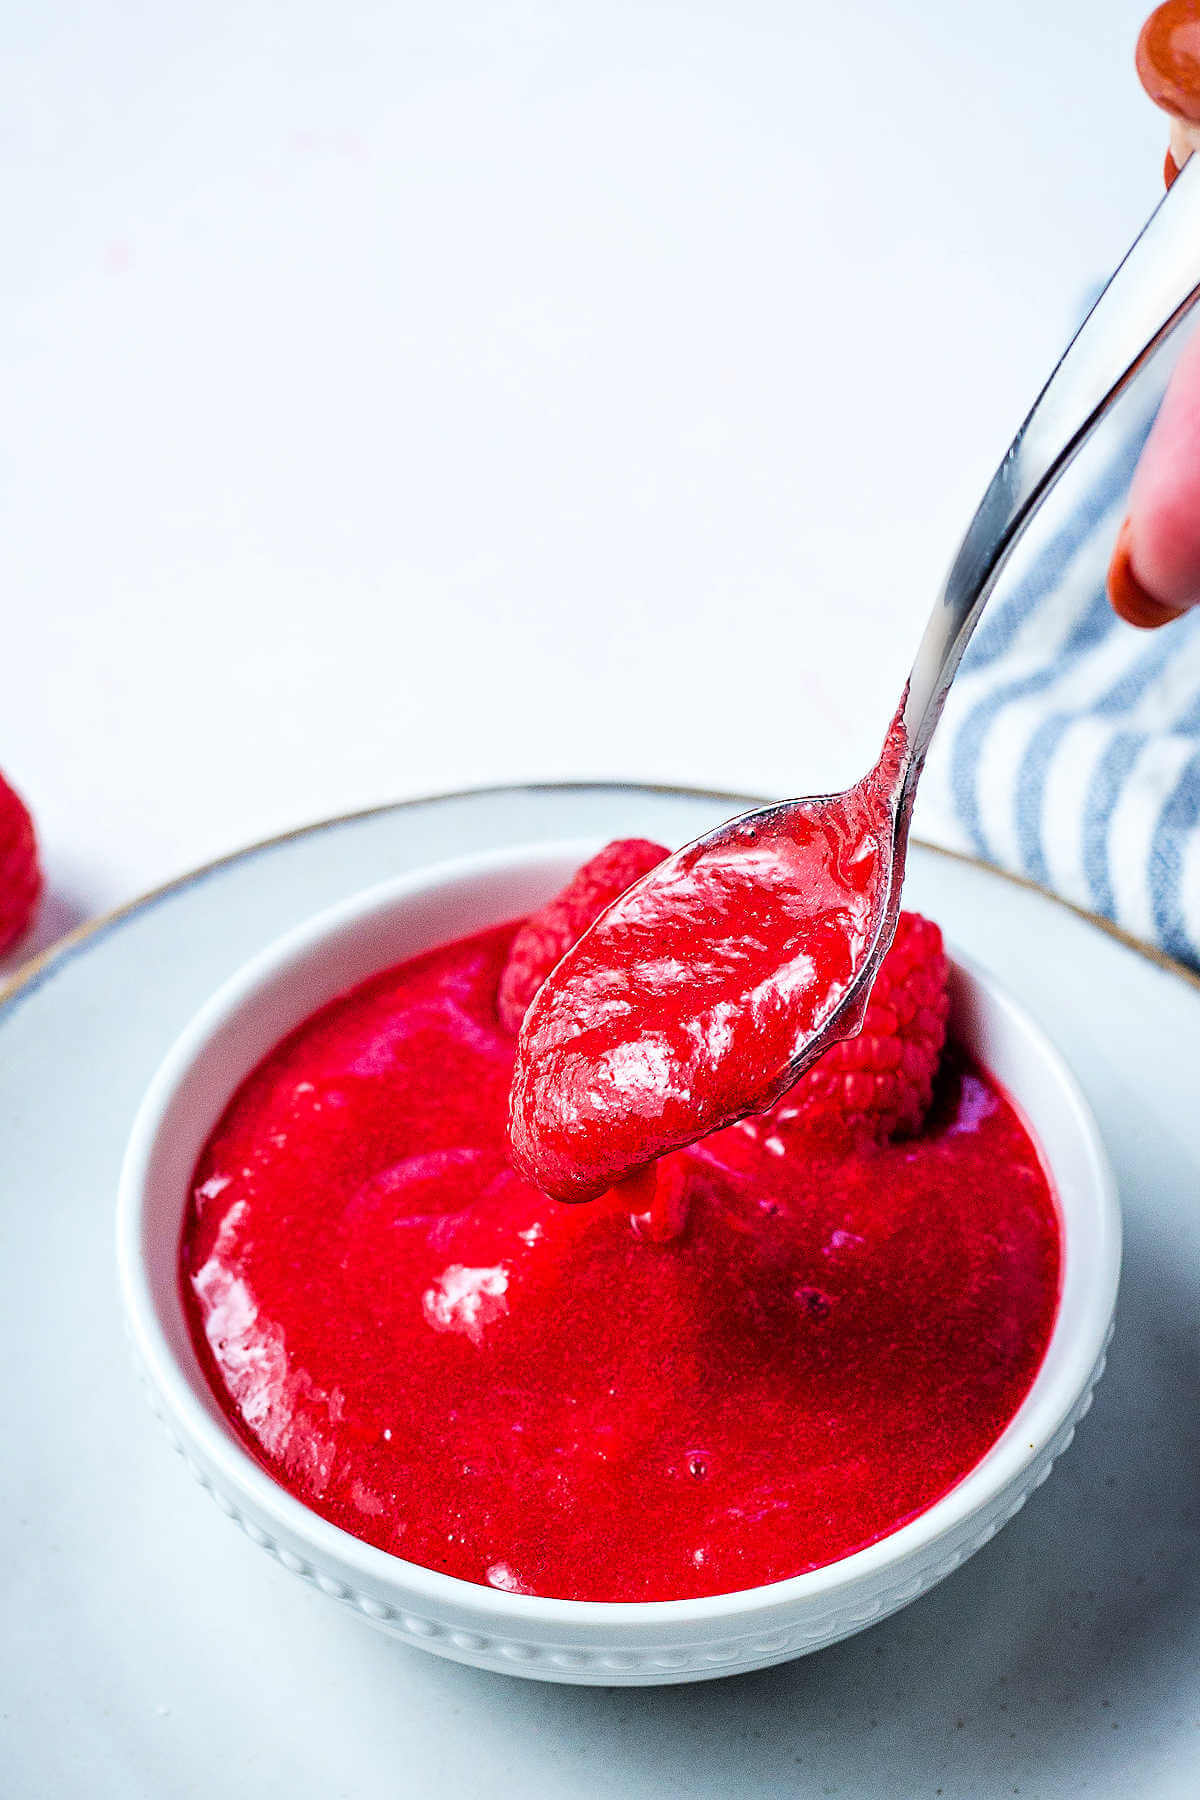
(568,1640)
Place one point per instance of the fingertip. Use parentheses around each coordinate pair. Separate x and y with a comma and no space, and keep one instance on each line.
(1129,598)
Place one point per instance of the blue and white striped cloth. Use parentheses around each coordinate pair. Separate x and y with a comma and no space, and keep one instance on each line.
(1070,747)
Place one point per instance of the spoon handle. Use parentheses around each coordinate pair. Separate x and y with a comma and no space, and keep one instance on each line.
(1151,291)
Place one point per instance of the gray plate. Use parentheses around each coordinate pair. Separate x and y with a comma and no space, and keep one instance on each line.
(148,1649)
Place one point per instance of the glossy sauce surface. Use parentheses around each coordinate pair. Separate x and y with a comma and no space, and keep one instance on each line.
(681,1008)
(445,1362)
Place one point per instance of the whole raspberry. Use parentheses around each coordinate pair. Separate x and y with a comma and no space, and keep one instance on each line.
(880,1083)
(546,936)
(20,872)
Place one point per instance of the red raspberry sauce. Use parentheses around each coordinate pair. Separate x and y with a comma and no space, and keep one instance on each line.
(685,1005)
(445,1362)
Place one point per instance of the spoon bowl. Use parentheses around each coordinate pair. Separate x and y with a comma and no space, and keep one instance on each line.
(704,991)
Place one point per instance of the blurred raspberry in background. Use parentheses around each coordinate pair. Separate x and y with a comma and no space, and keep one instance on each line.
(20,871)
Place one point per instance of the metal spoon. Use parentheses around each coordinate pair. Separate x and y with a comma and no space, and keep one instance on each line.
(1151,291)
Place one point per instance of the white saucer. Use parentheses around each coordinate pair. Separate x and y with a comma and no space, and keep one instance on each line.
(147,1649)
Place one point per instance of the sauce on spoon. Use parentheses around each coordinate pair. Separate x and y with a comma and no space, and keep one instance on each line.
(692,999)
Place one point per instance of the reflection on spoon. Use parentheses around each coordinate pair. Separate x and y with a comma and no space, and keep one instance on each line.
(694,999)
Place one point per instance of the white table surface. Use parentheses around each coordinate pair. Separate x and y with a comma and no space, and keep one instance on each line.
(398,398)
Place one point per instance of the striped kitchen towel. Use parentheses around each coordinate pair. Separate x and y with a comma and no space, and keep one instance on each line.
(1070,747)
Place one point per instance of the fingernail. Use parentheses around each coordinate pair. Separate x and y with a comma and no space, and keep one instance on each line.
(1130,600)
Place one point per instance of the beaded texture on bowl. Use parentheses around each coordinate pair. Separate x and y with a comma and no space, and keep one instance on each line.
(653,1666)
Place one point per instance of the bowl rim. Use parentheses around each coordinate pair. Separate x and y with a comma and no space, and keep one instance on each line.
(1043,1412)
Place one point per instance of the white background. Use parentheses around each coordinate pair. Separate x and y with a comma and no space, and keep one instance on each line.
(397,398)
